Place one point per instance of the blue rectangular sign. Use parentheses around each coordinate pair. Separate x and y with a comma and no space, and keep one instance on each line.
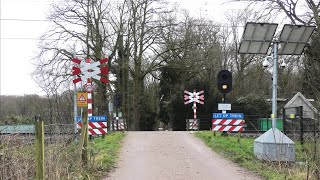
(94,119)
(227,115)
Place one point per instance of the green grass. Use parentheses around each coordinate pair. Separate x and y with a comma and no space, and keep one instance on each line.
(105,152)
(242,154)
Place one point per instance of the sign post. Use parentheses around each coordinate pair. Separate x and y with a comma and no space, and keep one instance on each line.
(86,72)
(195,97)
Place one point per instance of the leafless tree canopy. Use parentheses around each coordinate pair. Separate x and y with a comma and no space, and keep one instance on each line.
(152,47)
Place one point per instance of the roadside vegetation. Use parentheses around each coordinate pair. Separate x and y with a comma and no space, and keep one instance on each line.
(105,152)
(61,159)
(242,153)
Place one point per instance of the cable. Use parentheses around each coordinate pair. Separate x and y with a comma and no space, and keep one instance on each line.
(16,19)
(42,20)
(36,39)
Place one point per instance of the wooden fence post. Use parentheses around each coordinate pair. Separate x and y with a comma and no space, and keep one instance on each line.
(301,124)
(84,139)
(39,145)
(284,117)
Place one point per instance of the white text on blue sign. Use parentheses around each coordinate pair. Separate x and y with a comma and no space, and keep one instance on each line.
(227,115)
(94,119)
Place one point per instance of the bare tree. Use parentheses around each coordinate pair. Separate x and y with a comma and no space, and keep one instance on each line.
(138,43)
(80,28)
(298,11)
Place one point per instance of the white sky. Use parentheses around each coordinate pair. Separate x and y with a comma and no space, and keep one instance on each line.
(19,38)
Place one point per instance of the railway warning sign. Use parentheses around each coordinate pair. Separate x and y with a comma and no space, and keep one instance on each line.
(82,99)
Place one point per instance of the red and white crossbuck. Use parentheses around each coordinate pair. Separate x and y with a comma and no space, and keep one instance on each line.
(84,71)
(195,97)
(90,70)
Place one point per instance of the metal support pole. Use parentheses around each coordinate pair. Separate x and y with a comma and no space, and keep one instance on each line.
(194,109)
(117,117)
(75,111)
(274,84)
(187,124)
(75,108)
(224,133)
(109,121)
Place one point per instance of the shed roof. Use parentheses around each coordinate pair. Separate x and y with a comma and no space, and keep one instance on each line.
(295,97)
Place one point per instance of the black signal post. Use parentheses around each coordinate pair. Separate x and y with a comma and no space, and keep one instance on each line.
(224,82)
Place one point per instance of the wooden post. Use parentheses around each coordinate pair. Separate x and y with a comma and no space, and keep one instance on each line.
(39,145)
(284,120)
(84,139)
(301,124)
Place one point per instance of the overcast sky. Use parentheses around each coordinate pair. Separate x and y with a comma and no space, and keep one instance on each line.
(20,32)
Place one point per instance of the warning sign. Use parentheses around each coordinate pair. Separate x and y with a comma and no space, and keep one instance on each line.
(82,99)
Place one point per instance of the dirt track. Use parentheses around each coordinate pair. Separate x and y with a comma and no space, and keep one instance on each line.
(168,155)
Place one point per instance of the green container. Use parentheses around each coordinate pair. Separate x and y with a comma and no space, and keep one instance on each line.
(266,123)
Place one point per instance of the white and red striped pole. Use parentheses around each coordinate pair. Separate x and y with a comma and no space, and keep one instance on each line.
(89,83)
(194,106)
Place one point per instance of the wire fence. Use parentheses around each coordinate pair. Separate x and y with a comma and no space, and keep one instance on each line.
(17,156)
(62,156)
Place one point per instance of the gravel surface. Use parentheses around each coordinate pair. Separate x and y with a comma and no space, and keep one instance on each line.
(166,155)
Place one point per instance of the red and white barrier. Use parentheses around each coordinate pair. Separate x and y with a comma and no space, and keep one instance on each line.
(93,125)
(118,125)
(227,128)
(192,124)
(227,125)
(227,122)
(97,131)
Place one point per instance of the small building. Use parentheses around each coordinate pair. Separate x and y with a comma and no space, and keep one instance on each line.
(298,100)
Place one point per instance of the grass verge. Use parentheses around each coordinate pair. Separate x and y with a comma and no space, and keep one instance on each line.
(104,153)
(242,154)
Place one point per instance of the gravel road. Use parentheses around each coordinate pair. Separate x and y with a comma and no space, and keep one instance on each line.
(172,155)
